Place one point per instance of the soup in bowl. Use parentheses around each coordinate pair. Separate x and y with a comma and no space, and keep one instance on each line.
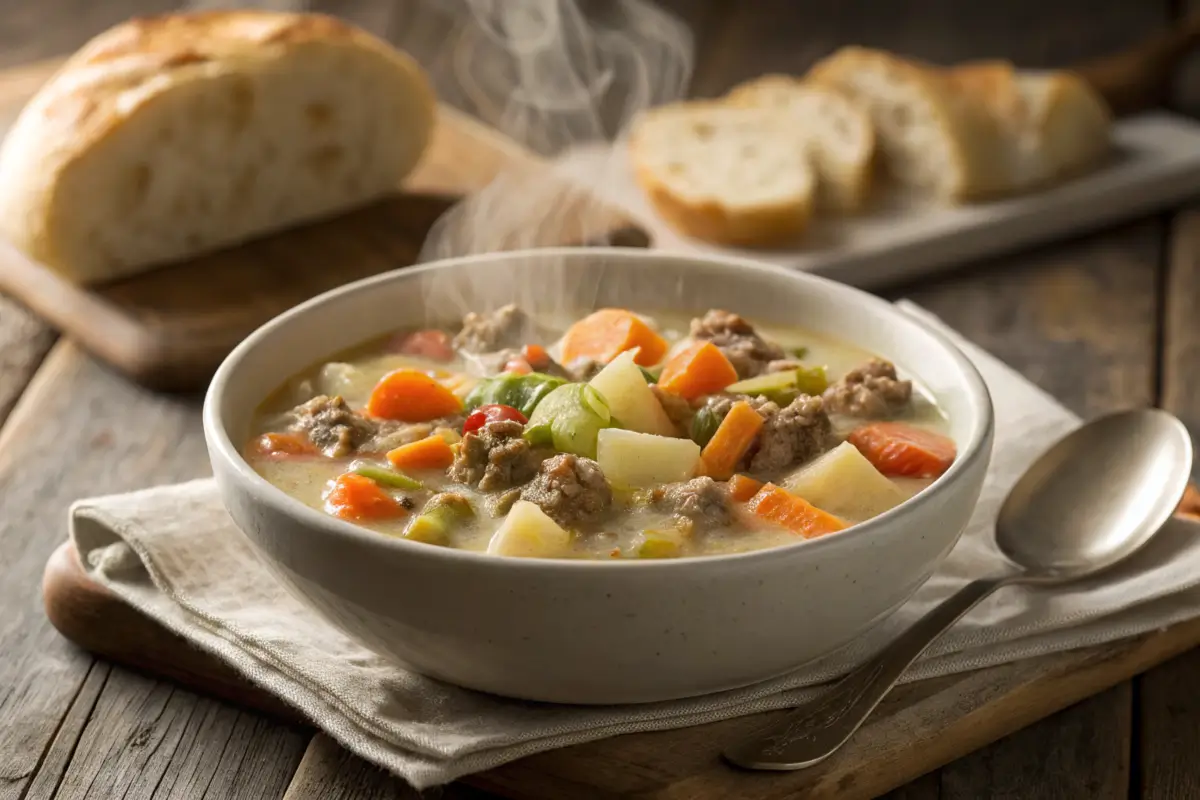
(599,476)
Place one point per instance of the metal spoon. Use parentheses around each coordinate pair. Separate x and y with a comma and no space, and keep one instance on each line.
(1089,502)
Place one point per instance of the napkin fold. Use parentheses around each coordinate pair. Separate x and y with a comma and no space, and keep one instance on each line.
(173,553)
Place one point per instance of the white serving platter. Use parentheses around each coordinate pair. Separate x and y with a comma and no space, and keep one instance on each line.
(1156,165)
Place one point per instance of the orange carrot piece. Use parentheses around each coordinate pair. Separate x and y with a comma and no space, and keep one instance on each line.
(605,334)
(894,448)
(355,497)
(282,445)
(536,356)
(792,512)
(743,487)
(432,452)
(733,438)
(699,369)
(410,395)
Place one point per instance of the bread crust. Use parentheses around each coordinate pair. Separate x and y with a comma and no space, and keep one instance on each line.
(709,221)
(170,65)
(844,186)
(707,218)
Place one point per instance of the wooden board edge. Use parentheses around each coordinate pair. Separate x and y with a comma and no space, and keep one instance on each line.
(87,614)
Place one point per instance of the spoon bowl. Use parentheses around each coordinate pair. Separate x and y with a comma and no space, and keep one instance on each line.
(1096,496)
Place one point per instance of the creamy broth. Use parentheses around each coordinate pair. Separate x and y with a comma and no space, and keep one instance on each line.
(632,517)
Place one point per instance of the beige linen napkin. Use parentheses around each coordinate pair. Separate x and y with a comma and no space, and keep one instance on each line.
(173,553)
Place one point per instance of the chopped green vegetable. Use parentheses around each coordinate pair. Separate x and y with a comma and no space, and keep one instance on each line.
(812,380)
(439,517)
(522,392)
(704,425)
(659,544)
(385,476)
(570,418)
(779,387)
(783,386)
(798,352)
(651,376)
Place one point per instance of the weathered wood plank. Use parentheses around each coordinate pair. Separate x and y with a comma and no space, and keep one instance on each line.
(1081,752)
(1080,321)
(62,749)
(146,738)
(927,787)
(79,430)
(1168,714)
(787,36)
(24,342)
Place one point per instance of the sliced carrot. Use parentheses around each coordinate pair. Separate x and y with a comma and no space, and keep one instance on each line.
(605,334)
(733,438)
(410,395)
(699,369)
(743,487)
(276,445)
(535,355)
(785,509)
(355,497)
(432,452)
(894,448)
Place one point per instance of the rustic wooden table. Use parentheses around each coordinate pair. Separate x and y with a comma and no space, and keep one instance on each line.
(1101,323)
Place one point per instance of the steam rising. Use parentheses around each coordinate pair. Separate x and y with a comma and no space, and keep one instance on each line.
(552,77)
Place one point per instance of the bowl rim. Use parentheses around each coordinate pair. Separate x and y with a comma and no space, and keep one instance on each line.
(221,445)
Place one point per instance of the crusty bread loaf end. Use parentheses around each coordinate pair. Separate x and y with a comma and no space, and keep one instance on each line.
(169,136)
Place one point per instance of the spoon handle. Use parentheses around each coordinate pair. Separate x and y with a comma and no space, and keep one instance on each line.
(814,731)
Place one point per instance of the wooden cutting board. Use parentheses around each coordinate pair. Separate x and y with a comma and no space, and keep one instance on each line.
(918,728)
(170,328)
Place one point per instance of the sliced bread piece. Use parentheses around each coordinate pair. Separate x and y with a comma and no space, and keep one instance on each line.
(1052,124)
(836,128)
(1072,120)
(931,136)
(730,176)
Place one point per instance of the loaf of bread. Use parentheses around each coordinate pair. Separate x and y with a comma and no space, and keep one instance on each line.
(170,136)
(930,135)
(723,174)
(976,130)
(837,130)
(1051,124)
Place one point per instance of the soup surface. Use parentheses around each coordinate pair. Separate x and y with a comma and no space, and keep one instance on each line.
(607,436)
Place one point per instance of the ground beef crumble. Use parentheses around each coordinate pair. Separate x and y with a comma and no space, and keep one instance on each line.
(736,338)
(702,500)
(339,431)
(571,490)
(330,424)
(507,326)
(790,435)
(870,390)
(495,457)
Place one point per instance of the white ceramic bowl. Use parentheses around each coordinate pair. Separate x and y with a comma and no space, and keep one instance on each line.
(591,631)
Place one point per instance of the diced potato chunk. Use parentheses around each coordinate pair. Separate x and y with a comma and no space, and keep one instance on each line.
(634,459)
(629,397)
(528,533)
(842,482)
(337,377)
